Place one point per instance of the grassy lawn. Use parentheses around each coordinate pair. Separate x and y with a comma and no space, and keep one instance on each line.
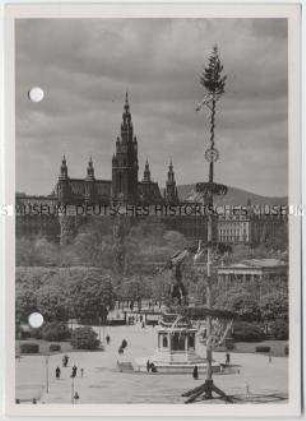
(277,347)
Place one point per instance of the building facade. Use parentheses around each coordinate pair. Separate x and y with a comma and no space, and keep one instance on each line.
(125,185)
(261,277)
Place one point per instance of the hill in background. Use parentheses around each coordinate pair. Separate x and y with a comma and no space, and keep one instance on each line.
(234,197)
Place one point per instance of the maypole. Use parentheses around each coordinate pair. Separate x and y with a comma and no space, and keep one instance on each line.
(213,83)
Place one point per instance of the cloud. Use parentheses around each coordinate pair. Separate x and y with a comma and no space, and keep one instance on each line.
(85,66)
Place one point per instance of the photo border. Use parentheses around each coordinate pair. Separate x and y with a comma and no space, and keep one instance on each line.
(142,10)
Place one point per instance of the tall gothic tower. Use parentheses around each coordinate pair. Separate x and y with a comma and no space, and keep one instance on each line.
(171,191)
(63,183)
(125,161)
(90,183)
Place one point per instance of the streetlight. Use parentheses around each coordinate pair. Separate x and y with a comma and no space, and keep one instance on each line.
(47,372)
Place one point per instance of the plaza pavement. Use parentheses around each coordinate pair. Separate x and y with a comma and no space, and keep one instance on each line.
(258,379)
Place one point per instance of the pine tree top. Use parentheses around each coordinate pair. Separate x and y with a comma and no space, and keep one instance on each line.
(211,78)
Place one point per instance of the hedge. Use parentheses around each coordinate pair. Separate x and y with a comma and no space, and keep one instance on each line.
(263,349)
(55,348)
(29,348)
(116,322)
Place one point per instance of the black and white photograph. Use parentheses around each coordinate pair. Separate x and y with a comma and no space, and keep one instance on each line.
(153,246)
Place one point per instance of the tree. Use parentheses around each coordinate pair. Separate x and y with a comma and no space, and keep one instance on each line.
(92,297)
(239,301)
(55,331)
(275,306)
(92,246)
(52,302)
(84,338)
(36,251)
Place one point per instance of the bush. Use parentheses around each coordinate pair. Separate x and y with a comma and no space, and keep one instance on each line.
(56,331)
(36,333)
(29,348)
(55,348)
(247,332)
(152,322)
(263,349)
(117,322)
(280,330)
(84,338)
(229,344)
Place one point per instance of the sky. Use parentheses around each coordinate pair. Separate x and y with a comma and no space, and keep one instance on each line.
(85,67)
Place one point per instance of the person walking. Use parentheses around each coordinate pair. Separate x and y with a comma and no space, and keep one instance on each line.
(227,358)
(195,373)
(148,366)
(107,339)
(247,390)
(153,368)
(65,360)
(74,371)
(58,372)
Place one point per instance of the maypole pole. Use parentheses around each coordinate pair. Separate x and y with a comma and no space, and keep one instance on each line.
(213,83)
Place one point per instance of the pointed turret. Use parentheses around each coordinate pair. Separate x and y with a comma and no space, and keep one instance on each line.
(171,190)
(64,169)
(90,183)
(90,170)
(171,177)
(147,172)
(62,187)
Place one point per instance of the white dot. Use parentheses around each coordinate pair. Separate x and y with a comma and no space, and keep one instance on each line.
(36,94)
(35,320)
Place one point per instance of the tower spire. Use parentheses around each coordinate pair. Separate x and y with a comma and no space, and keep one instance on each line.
(171,176)
(171,190)
(125,161)
(147,172)
(64,169)
(126,125)
(90,169)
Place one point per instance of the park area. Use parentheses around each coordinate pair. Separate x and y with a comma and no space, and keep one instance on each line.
(258,378)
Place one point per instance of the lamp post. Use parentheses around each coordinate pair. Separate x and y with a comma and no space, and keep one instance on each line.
(72,389)
(47,372)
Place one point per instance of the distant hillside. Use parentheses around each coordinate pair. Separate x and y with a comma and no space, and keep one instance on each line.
(234,197)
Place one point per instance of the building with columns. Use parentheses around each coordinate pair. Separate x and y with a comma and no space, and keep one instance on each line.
(262,277)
